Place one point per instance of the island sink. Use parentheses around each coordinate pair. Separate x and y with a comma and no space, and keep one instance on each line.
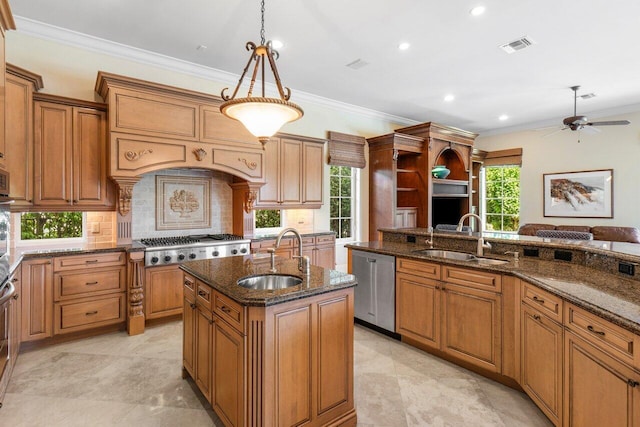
(460,256)
(269,281)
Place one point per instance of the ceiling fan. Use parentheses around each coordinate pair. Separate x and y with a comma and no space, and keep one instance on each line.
(576,122)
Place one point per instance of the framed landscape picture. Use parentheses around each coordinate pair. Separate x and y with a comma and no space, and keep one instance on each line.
(182,202)
(586,194)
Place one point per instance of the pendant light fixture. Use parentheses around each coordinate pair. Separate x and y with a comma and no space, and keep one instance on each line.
(262,116)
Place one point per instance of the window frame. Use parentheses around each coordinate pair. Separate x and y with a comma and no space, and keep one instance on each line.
(355,209)
(48,242)
(485,213)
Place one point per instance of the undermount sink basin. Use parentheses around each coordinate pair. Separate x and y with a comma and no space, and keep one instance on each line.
(458,256)
(269,281)
(461,256)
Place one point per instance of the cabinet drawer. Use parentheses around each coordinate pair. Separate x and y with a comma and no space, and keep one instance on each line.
(545,302)
(189,288)
(308,241)
(325,239)
(204,295)
(472,278)
(229,310)
(110,259)
(89,313)
(78,284)
(429,270)
(603,334)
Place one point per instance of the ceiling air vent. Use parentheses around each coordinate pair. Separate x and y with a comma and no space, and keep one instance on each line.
(357,64)
(519,44)
(588,95)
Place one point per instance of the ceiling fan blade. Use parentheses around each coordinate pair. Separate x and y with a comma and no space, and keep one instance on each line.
(609,123)
(590,129)
(554,132)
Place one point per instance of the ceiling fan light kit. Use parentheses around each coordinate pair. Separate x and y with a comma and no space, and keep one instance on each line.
(262,116)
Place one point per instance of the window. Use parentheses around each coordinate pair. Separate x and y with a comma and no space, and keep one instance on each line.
(266,218)
(51,226)
(502,198)
(341,201)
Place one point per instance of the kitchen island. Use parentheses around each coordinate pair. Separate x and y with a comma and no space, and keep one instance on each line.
(270,357)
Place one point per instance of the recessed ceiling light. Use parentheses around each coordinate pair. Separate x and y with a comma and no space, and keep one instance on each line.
(503,117)
(477,11)
(449,98)
(277,44)
(404,46)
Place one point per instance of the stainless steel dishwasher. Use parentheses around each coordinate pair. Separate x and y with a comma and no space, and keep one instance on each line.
(375,294)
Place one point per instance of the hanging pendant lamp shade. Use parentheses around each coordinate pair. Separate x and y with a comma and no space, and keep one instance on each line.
(262,116)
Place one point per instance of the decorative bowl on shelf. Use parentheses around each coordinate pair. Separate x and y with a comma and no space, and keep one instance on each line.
(440,172)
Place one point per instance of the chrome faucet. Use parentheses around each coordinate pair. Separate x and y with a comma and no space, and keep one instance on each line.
(482,245)
(303,261)
(430,241)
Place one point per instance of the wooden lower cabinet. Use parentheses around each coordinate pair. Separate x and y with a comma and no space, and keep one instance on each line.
(163,291)
(541,355)
(472,326)
(283,365)
(321,249)
(599,390)
(418,309)
(37,299)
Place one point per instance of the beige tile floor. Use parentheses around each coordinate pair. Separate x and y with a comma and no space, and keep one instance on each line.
(117,380)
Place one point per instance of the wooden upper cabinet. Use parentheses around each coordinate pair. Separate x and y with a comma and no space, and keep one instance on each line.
(20,86)
(70,158)
(294,173)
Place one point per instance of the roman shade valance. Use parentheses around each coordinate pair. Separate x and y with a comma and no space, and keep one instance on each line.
(512,156)
(346,150)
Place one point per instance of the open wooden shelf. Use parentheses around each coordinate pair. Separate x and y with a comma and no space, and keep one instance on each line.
(406,171)
(407,189)
(450,181)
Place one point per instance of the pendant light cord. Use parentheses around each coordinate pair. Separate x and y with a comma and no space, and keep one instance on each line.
(262,23)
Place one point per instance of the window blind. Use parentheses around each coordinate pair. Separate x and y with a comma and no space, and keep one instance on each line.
(346,150)
(512,156)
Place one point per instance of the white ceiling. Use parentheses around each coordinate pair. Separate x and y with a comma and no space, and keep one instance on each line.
(593,43)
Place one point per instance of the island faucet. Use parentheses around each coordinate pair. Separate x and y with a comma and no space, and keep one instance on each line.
(482,245)
(303,261)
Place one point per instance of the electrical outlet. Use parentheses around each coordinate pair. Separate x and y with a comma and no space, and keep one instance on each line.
(411,239)
(95,228)
(626,268)
(535,252)
(563,255)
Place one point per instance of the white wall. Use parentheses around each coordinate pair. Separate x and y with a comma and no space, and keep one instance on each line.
(71,71)
(615,147)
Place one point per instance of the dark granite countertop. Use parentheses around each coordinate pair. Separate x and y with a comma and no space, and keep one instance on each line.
(223,273)
(260,237)
(612,297)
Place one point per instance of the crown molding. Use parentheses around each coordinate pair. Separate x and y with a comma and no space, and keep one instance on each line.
(95,44)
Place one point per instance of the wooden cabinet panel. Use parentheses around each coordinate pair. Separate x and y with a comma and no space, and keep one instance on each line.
(418,309)
(472,326)
(290,171)
(429,270)
(325,256)
(75,262)
(228,394)
(77,315)
(269,193)
(477,279)
(599,390)
(239,163)
(83,283)
(312,169)
(547,303)
(90,183)
(542,355)
(204,295)
(292,345)
(189,318)
(612,339)
(204,348)
(53,157)
(163,291)
(215,127)
(229,310)
(37,299)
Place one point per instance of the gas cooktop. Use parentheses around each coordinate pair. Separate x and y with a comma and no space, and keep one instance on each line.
(172,250)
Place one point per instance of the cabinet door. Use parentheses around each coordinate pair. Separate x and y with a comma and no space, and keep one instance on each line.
(37,299)
(52,154)
(19,137)
(313,164)
(163,291)
(189,331)
(541,356)
(325,256)
(472,326)
(418,309)
(269,193)
(204,335)
(227,395)
(290,171)
(89,157)
(16,318)
(599,390)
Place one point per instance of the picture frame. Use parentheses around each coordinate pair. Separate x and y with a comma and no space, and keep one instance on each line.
(182,202)
(582,194)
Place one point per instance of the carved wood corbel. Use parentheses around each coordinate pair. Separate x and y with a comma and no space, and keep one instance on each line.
(125,193)
(135,300)
(249,199)
(200,154)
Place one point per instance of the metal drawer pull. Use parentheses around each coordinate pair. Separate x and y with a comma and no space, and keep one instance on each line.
(192,305)
(91,261)
(591,329)
(633,383)
(536,316)
(203,294)
(538,300)
(91,283)
(225,309)
(91,313)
